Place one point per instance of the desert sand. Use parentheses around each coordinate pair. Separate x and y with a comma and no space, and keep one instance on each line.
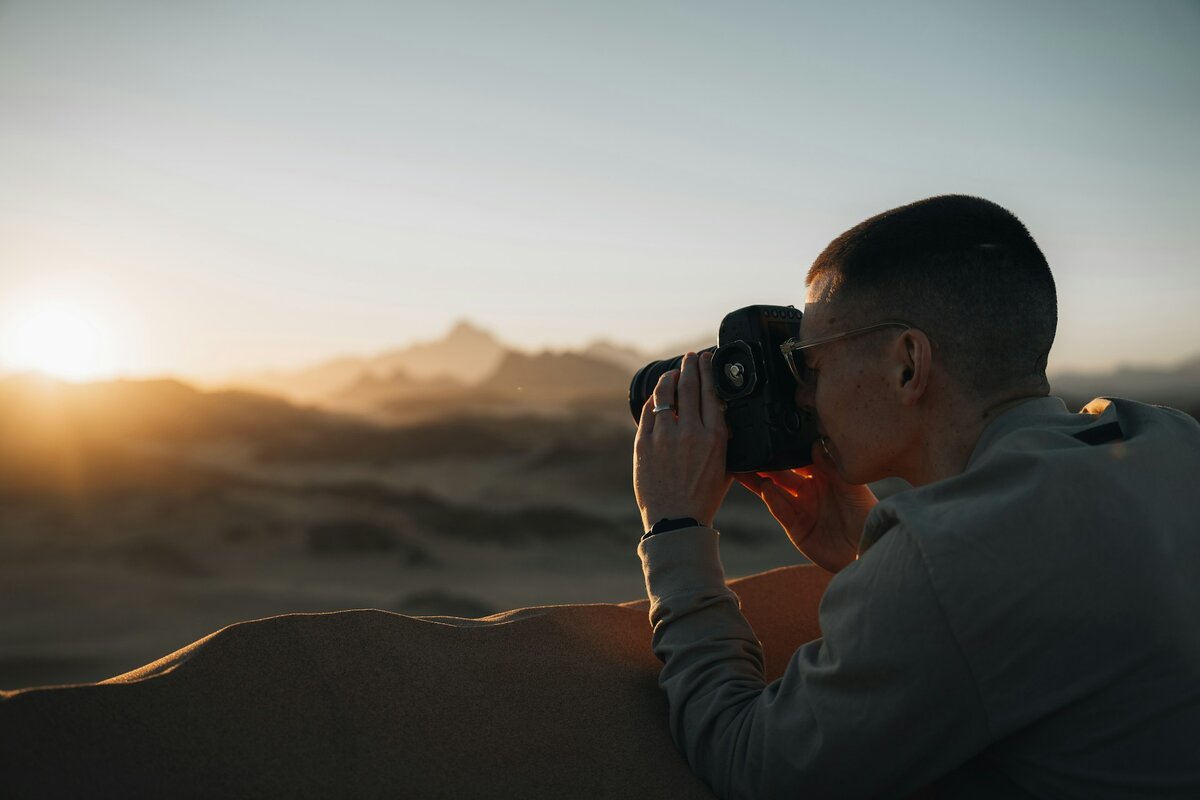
(136,518)
(553,701)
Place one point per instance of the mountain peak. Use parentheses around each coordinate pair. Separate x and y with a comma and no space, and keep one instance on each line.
(466,332)
(467,353)
(464,326)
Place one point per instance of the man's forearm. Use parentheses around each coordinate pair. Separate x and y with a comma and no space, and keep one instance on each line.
(712,661)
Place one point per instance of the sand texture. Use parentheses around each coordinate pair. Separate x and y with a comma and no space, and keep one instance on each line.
(138,517)
(553,701)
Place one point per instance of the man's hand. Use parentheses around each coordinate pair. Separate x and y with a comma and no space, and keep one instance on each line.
(679,456)
(821,513)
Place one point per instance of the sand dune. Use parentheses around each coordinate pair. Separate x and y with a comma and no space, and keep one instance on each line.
(124,536)
(557,701)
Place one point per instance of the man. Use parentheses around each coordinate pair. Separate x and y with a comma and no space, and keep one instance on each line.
(1021,623)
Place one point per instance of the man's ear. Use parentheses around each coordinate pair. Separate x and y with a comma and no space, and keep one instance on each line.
(913,362)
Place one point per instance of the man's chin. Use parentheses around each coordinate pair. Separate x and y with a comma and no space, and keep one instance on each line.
(853,471)
(848,472)
(859,474)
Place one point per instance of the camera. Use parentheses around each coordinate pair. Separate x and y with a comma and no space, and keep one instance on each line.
(767,430)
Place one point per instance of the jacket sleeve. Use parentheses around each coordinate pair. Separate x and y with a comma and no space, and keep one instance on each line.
(883,704)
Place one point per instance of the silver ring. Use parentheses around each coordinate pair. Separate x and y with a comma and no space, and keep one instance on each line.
(658,409)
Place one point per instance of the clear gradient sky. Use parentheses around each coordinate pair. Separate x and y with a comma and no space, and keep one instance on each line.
(219,186)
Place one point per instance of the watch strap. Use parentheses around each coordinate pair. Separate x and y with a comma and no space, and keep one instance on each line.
(665,524)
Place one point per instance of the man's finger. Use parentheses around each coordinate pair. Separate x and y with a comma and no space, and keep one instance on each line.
(646,420)
(712,409)
(665,389)
(780,503)
(791,480)
(688,391)
(751,482)
(784,507)
(777,500)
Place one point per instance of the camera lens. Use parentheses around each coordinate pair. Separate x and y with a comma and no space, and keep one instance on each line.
(646,378)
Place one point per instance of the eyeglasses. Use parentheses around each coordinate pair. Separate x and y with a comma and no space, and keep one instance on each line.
(793,346)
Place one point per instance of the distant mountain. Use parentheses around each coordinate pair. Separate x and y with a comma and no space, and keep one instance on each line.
(306,385)
(370,393)
(557,376)
(632,359)
(34,407)
(627,358)
(1178,385)
(56,435)
(470,370)
(466,354)
(545,383)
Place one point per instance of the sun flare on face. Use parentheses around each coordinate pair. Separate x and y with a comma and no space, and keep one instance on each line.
(58,337)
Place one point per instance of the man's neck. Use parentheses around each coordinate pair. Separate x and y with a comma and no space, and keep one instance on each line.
(951,434)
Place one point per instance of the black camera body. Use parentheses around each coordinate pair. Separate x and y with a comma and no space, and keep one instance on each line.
(767,430)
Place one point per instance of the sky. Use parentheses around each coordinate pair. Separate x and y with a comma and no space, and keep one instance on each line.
(208,188)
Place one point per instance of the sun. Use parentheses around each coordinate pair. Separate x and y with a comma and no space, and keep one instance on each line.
(58,337)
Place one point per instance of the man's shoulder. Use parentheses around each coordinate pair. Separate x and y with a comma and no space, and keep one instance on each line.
(1050,468)
(1139,419)
(1063,536)
(1103,421)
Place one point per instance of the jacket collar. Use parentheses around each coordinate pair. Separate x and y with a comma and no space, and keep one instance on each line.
(1033,412)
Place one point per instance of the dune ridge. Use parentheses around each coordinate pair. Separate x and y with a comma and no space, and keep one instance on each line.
(547,701)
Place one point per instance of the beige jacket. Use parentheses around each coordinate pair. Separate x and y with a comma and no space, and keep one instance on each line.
(1028,628)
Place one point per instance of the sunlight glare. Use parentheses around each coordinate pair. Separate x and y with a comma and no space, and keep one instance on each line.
(57,337)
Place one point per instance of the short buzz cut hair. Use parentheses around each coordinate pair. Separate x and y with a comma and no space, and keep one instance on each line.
(963,270)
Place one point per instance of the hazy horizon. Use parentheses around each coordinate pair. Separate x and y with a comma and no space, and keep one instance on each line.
(217,377)
(205,191)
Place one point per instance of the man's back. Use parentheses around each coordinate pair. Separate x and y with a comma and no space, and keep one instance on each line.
(1066,559)
(1024,628)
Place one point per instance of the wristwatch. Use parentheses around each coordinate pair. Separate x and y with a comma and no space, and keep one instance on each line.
(664,525)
